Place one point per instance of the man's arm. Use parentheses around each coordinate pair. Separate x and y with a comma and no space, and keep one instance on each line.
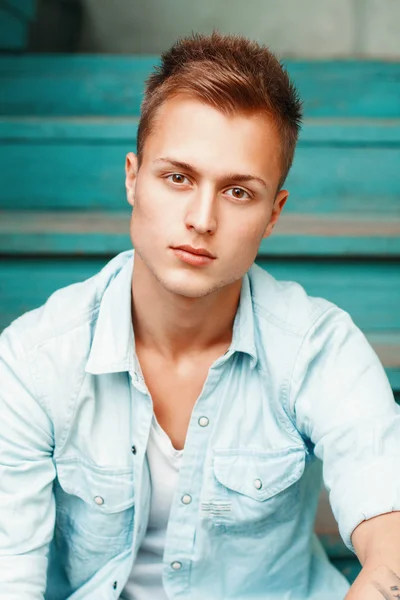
(343,403)
(377,544)
(27,510)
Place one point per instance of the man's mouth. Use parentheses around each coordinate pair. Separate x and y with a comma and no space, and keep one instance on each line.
(197,251)
(193,256)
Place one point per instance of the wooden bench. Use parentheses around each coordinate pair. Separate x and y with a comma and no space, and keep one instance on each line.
(66,124)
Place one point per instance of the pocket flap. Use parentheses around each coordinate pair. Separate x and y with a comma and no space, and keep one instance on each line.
(107,490)
(259,475)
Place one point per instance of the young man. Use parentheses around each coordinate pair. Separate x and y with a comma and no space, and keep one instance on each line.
(161,422)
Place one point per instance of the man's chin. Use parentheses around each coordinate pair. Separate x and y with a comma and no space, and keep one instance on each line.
(189,291)
(189,286)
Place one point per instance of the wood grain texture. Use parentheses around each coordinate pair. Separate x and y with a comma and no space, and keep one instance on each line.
(113,85)
(315,131)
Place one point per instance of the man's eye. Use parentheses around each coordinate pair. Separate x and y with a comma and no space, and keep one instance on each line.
(178,178)
(238,193)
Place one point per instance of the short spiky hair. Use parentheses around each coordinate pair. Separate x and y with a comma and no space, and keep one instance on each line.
(232,74)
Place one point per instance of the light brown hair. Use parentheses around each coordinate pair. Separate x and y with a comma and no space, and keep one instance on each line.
(232,74)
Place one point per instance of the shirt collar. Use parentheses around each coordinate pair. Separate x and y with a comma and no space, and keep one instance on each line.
(243,326)
(113,343)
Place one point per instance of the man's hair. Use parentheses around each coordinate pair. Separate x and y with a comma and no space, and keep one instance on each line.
(233,75)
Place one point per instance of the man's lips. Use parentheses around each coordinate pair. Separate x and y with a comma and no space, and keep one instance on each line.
(197,257)
(196,251)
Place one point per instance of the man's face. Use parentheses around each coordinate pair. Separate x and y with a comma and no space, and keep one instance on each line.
(207,181)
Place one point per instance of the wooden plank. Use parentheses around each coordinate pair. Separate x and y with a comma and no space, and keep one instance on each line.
(113,85)
(71,129)
(368,289)
(360,132)
(63,174)
(73,85)
(74,232)
(380,132)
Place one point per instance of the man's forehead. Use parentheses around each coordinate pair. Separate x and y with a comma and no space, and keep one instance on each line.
(190,132)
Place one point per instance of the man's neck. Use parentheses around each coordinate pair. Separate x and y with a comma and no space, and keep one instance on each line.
(175,325)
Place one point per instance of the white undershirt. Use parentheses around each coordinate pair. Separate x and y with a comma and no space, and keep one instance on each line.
(145,580)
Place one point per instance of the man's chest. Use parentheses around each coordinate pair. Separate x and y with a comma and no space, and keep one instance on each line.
(241,469)
(174,389)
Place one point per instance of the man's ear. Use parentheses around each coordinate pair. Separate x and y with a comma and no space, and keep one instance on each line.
(279,203)
(131,166)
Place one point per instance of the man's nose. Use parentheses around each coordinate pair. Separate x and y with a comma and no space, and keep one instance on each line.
(201,212)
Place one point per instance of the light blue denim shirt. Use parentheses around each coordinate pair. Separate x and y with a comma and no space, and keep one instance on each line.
(299,383)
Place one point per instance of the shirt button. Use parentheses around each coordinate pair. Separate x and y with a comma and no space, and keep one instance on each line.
(133,449)
(258,484)
(115,584)
(176,565)
(99,500)
(203,421)
(186,499)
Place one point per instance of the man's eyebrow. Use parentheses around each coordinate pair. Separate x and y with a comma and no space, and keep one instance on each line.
(240,177)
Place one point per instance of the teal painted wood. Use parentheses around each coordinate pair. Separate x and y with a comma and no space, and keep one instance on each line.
(73,85)
(89,174)
(112,85)
(355,131)
(349,567)
(13,33)
(345,132)
(368,290)
(77,233)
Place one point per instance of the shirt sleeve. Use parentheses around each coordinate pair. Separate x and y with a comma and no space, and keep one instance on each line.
(27,507)
(343,403)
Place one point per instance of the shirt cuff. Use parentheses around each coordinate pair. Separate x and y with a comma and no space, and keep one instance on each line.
(375,490)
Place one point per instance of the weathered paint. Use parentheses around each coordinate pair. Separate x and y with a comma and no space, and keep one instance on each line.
(113,85)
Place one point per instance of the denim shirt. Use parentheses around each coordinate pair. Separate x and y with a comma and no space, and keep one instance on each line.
(299,398)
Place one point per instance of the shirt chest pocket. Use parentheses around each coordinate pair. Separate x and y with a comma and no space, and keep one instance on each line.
(95,508)
(253,491)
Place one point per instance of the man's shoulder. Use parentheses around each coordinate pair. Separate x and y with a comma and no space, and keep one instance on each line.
(66,310)
(285,304)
